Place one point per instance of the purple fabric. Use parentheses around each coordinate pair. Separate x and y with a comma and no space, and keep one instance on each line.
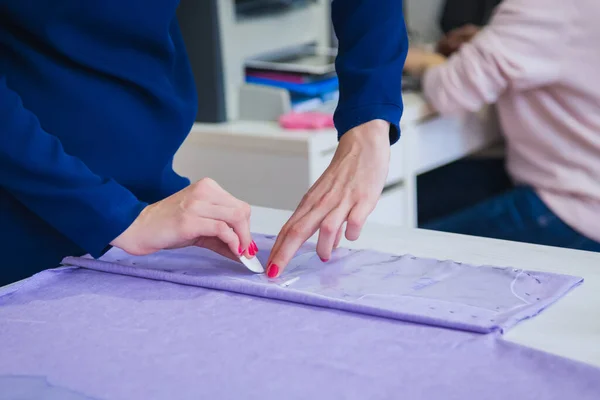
(426,291)
(81,334)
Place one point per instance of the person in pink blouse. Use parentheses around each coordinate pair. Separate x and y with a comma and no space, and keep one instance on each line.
(539,62)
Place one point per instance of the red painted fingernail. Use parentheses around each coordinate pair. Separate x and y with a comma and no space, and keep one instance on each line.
(255,246)
(251,250)
(240,250)
(272,270)
(324,259)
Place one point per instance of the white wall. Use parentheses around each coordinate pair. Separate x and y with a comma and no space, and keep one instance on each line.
(422,17)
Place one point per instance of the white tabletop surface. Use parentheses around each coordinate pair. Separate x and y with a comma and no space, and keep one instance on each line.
(570,328)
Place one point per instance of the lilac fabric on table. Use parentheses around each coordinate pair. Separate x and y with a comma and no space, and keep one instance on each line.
(74,333)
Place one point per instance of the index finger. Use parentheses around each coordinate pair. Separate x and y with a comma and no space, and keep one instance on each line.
(293,235)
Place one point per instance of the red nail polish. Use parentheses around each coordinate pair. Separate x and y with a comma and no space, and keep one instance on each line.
(324,259)
(272,270)
(255,246)
(240,250)
(251,250)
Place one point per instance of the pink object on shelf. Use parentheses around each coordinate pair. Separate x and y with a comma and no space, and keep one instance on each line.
(306,120)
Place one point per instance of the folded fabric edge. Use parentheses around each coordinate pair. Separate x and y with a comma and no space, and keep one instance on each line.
(271,292)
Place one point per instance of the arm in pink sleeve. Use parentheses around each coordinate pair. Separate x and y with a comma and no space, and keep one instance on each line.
(521,49)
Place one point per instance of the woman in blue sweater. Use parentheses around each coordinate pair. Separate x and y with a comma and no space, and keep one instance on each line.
(97,96)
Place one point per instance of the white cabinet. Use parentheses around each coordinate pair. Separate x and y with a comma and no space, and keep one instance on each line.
(390,209)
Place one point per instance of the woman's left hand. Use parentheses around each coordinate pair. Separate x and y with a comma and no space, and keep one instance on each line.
(419,60)
(347,191)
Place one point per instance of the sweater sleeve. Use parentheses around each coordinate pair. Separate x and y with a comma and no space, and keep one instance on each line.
(372,49)
(89,209)
(520,49)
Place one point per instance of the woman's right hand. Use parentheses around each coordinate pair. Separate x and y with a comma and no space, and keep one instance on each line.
(203,214)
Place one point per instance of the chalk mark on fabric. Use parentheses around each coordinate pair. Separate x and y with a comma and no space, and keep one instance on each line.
(512,287)
(291,281)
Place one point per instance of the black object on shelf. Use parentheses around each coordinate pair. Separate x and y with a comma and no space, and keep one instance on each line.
(199,23)
(250,8)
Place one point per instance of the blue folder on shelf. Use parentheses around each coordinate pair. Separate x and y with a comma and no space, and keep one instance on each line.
(308,89)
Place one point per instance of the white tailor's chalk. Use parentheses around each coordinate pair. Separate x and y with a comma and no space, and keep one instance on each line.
(288,283)
(253,264)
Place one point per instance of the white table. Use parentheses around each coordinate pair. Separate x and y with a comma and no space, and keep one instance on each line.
(570,328)
(267,166)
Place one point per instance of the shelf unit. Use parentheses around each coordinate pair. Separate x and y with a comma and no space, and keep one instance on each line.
(218,43)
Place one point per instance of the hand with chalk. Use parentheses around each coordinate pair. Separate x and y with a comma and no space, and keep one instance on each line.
(203,214)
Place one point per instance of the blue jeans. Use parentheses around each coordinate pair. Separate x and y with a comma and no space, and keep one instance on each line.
(518,215)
